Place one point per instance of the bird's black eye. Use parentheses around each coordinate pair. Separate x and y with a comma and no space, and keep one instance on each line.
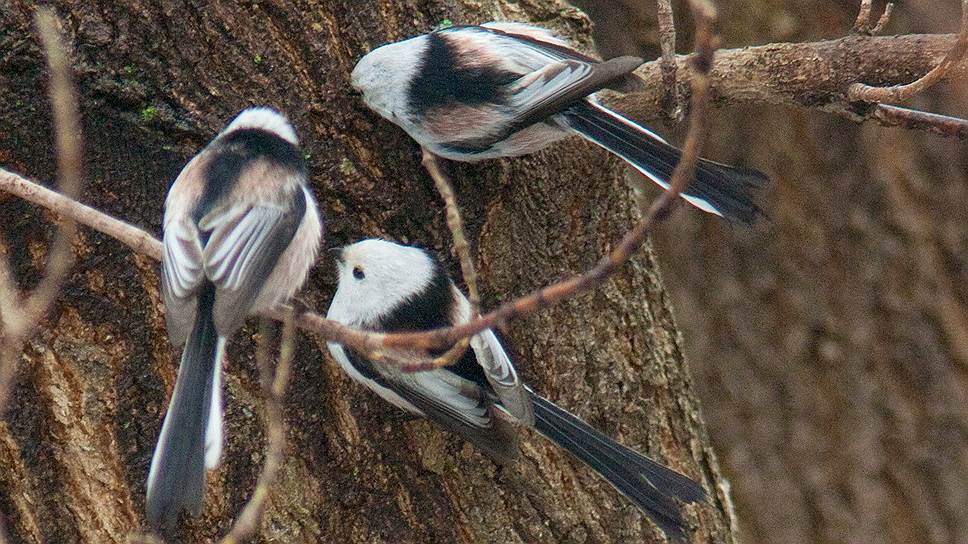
(358,273)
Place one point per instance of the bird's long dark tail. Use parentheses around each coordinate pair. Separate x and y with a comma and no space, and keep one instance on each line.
(648,484)
(716,188)
(190,437)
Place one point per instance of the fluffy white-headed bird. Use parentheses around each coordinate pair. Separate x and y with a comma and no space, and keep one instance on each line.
(469,93)
(242,230)
(384,286)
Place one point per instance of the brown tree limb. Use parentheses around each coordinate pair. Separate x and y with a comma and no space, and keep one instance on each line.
(900,93)
(813,75)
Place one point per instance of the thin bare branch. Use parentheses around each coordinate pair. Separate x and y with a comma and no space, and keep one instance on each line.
(19,321)
(884,20)
(671,108)
(145,244)
(273,388)
(863,23)
(129,235)
(706,41)
(900,93)
(461,245)
(67,123)
(934,123)
(456,225)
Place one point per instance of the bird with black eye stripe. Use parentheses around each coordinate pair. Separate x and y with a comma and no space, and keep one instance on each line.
(469,93)
(388,287)
(241,231)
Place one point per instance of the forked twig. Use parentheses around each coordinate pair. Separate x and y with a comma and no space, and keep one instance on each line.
(884,20)
(863,23)
(273,388)
(900,93)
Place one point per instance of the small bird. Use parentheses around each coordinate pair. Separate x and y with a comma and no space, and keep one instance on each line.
(469,93)
(242,229)
(387,287)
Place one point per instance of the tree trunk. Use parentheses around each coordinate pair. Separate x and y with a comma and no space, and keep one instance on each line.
(157,80)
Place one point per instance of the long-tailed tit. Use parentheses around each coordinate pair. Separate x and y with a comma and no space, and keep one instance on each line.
(241,232)
(385,286)
(469,93)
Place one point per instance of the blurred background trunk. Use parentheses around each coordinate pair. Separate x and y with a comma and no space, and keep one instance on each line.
(157,80)
(830,344)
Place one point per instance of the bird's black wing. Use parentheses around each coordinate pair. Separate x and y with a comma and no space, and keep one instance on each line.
(538,95)
(450,400)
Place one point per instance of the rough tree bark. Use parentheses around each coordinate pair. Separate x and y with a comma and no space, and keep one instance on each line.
(157,80)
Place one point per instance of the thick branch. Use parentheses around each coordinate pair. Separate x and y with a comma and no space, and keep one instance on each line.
(812,75)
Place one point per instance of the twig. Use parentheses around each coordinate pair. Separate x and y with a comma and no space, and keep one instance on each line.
(143,243)
(934,123)
(133,237)
(463,248)
(671,108)
(884,20)
(456,225)
(21,316)
(899,93)
(273,387)
(863,23)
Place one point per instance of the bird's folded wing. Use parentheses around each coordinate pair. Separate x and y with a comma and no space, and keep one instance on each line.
(244,244)
(541,94)
(504,380)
